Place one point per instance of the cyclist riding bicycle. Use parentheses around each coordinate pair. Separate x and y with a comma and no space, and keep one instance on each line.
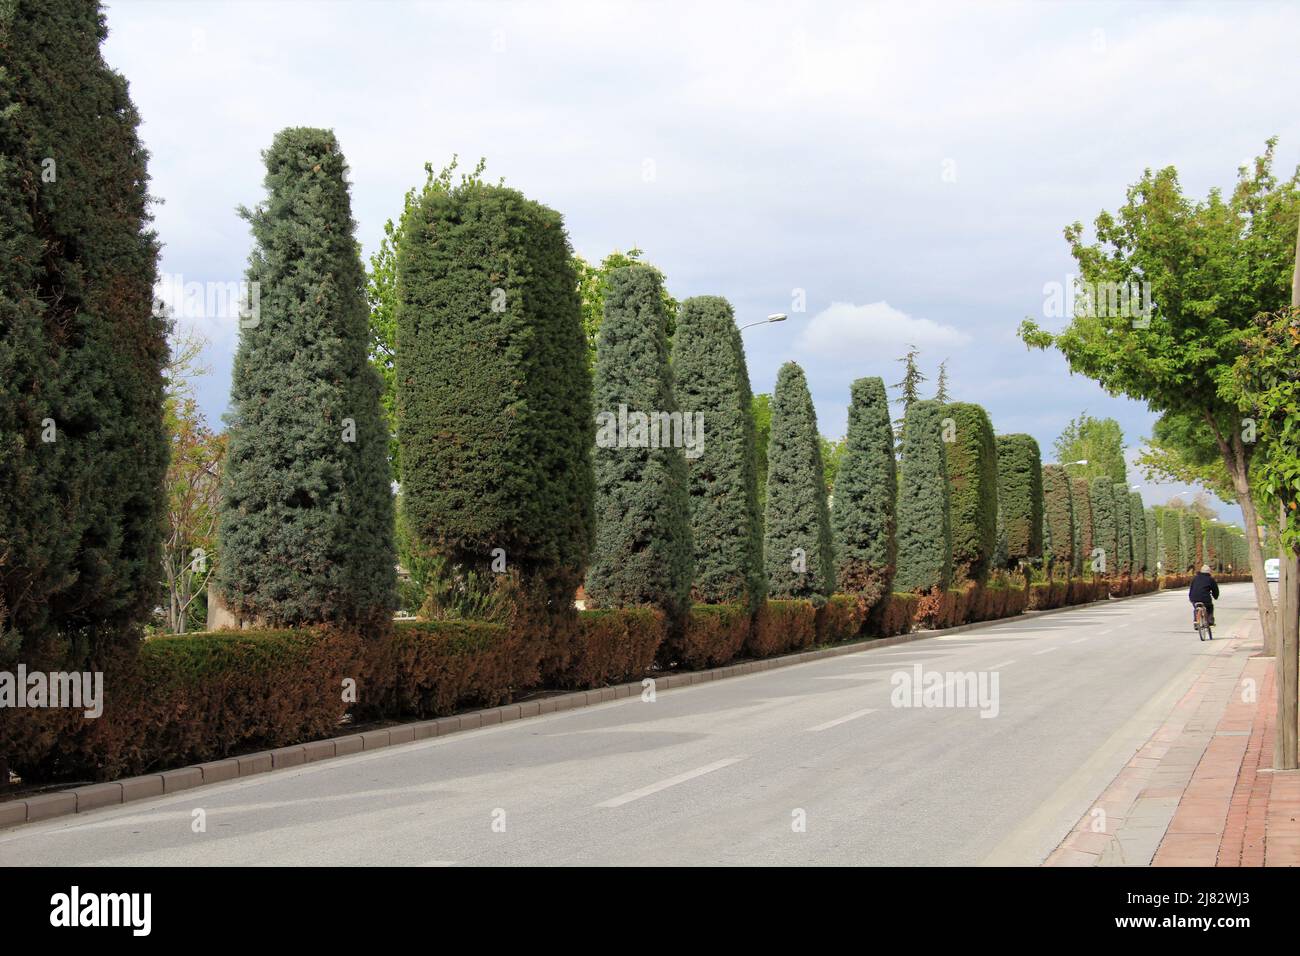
(1204,590)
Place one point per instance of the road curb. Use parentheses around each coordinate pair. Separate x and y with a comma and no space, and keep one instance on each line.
(61,803)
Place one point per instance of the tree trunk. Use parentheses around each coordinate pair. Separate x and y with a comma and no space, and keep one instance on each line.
(1288,659)
(1234,457)
(1288,618)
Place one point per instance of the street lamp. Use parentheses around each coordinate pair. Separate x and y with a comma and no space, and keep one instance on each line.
(774,317)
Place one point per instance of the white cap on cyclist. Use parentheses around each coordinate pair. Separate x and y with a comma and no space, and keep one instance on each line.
(1205,569)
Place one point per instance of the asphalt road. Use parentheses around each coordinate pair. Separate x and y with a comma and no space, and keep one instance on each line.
(809,764)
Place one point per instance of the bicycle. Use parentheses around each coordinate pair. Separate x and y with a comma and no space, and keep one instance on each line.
(1203,629)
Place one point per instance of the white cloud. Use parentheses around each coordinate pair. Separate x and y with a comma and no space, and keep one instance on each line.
(850,331)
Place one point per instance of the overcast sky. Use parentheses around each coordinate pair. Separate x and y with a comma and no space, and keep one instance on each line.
(908,166)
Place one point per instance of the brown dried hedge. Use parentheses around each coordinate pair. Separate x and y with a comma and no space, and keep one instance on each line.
(782,626)
(712,635)
(613,645)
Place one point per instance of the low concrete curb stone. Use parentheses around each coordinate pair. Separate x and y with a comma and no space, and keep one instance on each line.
(61,803)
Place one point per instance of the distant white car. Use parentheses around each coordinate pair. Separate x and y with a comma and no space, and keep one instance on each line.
(1272,569)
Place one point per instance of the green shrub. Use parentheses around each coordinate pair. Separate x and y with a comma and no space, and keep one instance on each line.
(1058,519)
(82,446)
(642,555)
(797,551)
(971,460)
(711,378)
(1152,540)
(307,510)
(493,390)
(1123,531)
(1081,504)
(1020,497)
(863,520)
(1171,551)
(1191,542)
(924,534)
(1104,523)
(1138,527)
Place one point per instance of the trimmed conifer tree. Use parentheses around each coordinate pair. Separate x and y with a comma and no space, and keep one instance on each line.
(1171,552)
(82,348)
(307,514)
(1191,542)
(494,391)
(1153,541)
(712,382)
(1020,497)
(1104,524)
(643,551)
(1082,505)
(1138,523)
(971,459)
(798,556)
(864,520)
(1058,519)
(1123,530)
(924,532)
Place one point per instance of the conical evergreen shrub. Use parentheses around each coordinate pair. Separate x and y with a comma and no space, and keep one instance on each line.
(924,534)
(494,392)
(864,520)
(1104,524)
(1171,550)
(307,515)
(1123,530)
(971,459)
(82,446)
(643,551)
(1020,497)
(711,379)
(1081,502)
(1058,519)
(798,555)
(1138,523)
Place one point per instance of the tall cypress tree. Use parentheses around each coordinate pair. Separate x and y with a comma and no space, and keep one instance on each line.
(493,389)
(864,521)
(1153,541)
(1104,524)
(971,460)
(711,380)
(307,515)
(1058,519)
(1138,522)
(798,555)
(1123,530)
(924,532)
(1082,505)
(82,447)
(1020,497)
(643,552)
(1171,552)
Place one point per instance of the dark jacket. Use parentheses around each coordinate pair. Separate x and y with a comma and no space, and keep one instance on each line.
(1203,588)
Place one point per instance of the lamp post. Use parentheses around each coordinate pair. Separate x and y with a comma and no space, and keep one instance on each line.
(774,317)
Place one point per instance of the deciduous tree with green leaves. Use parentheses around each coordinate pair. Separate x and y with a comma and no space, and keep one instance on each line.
(1097,441)
(1210,267)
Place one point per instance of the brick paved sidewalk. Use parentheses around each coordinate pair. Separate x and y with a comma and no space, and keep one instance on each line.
(1201,791)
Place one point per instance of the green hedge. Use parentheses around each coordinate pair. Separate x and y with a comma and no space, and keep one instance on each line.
(1020,498)
(864,520)
(924,532)
(1105,526)
(1058,519)
(971,459)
